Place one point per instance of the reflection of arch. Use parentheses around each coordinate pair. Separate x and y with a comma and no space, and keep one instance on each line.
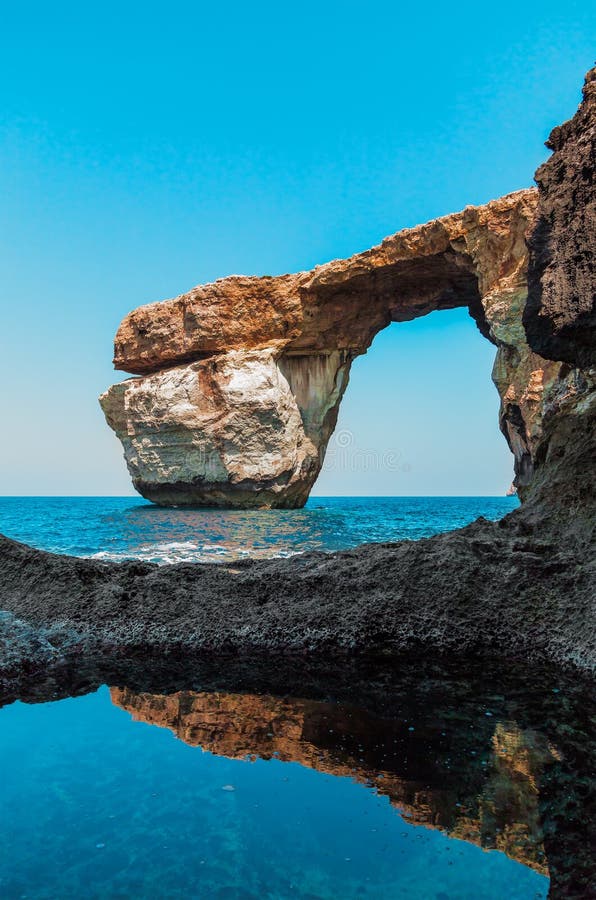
(431,780)
(242,379)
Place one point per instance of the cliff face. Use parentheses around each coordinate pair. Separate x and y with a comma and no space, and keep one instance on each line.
(560,316)
(489,797)
(560,320)
(242,379)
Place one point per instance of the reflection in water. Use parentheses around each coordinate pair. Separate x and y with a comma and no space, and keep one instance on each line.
(489,798)
(346,779)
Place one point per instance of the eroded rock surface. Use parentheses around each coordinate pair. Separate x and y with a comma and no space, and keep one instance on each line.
(242,379)
(560,316)
(244,428)
(449,262)
(560,319)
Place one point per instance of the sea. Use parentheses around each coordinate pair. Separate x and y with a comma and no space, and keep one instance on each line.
(119,528)
(137,779)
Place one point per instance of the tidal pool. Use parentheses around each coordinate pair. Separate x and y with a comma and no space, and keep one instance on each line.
(429,788)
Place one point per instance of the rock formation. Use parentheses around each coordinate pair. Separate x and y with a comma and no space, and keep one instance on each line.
(242,379)
(522,586)
(560,316)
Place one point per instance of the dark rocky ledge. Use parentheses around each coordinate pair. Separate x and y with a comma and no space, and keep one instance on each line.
(523,586)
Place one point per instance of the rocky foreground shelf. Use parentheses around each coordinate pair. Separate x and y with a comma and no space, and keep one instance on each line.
(504,588)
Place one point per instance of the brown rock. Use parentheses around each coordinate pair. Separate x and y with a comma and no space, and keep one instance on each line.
(449,262)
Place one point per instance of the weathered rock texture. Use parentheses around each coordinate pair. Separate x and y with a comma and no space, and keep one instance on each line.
(340,305)
(560,315)
(242,379)
(244,428)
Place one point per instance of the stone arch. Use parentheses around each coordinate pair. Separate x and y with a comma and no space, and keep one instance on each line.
(241,380)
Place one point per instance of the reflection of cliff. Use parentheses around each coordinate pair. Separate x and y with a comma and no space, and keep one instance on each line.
(508,814)
(488,796)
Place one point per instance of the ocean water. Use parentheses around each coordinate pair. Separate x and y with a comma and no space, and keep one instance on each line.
(428,789)
(118,528)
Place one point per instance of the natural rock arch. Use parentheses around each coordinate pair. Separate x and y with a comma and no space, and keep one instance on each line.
(241,380)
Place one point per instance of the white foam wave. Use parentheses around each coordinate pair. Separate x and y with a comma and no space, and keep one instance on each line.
(173,552)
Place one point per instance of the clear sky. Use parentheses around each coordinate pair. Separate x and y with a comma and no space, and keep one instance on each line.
(145,148)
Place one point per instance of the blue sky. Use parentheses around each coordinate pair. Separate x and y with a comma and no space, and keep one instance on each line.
(145,148)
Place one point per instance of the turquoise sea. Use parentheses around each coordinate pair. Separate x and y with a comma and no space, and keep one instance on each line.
(117,528)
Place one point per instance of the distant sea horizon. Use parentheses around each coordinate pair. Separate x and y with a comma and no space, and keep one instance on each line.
(125,527)
(312,496)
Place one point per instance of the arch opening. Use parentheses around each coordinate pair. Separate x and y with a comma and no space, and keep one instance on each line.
(420,415)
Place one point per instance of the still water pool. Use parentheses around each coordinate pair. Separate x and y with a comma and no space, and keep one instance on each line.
(435,787)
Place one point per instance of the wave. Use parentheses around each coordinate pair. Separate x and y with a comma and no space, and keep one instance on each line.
(172,552)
